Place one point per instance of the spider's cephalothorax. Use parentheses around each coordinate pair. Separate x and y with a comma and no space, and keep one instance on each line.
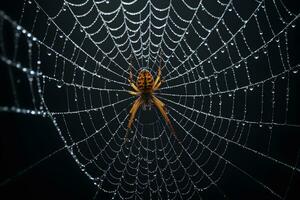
(144,89)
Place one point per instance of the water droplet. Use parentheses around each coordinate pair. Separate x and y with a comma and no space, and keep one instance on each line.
(19,27)
(29,2)
(30,78)
(229,94)
(256,57)
(251,88)
(293,25)
(231,43)
(230,9)
(61,36)
(107,2)
(222,51)
(260,125)
(295,71)
(237,65)
(49,53)
(60,83)
(39,62)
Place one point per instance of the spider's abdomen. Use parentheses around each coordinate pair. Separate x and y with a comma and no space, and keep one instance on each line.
(145,81)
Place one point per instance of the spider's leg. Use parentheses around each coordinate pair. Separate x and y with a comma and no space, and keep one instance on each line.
(130,70)
(161,107)
(157,80)
(134,93)
(137,103)
(130,80)
(157,86)
(136,89)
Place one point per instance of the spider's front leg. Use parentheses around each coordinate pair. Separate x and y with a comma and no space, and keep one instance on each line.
(157,81)
(136,91)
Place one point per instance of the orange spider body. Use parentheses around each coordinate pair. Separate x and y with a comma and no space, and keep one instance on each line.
(145,81)
(144,89)
(145,84)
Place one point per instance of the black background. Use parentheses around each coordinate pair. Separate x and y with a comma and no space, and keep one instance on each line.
(25,139)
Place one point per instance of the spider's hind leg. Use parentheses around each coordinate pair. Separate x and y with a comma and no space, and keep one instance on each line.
(137,103)
(161,107)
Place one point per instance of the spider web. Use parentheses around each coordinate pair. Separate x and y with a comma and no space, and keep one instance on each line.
(230,74)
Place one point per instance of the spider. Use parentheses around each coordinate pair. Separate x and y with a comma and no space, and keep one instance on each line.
(144,89)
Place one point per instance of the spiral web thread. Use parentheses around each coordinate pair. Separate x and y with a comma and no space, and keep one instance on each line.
(218,63)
